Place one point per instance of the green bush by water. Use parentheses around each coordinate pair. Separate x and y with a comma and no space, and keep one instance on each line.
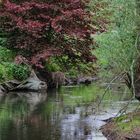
(19,72)
(9,71)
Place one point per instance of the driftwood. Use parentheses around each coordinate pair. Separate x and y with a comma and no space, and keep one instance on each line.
(31,84)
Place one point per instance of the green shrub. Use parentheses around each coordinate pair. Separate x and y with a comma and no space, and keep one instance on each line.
(9,71)
(19,72)
(6,55)
(2,72)
(64,64)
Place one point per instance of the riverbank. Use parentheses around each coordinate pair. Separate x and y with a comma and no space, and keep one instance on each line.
(125,127)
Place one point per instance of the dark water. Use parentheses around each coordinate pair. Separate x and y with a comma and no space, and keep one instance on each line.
(70,114)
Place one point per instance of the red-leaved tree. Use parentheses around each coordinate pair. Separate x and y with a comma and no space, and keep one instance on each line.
(40,29)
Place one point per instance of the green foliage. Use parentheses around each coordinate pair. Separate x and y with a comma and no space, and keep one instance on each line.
(6,55)
(52,65)
(2,73)
(117,47)
(9,71)
(19,72)
(64,64)
(3,39)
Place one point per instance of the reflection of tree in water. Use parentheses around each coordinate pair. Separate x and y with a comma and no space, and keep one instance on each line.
(30,116)
(21,119)
(21,99)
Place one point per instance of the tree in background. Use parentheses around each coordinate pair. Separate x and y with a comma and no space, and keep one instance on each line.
(39,30)
(118,45)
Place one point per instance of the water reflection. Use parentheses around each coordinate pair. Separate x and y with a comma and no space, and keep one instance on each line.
(71,114)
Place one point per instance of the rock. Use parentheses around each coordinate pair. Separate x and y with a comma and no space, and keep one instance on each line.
(86,80)
(80,80)
(71,81)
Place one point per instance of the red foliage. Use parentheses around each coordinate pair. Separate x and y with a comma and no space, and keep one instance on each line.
(39,30)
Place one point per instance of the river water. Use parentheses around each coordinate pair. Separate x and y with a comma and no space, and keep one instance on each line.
(73,113)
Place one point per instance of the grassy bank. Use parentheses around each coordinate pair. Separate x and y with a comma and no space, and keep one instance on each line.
(127,123)
(124,127)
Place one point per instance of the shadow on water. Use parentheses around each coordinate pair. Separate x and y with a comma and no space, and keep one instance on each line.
(71,114)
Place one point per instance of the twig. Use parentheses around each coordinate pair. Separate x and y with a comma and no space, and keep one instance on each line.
(124,109)
(117,77)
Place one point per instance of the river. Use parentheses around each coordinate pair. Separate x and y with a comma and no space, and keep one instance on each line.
(73,113)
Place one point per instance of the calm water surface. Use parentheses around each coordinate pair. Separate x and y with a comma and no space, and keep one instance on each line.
(70,114)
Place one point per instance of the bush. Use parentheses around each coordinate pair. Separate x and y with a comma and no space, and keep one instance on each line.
(10,71)
(71,69)
(19,72)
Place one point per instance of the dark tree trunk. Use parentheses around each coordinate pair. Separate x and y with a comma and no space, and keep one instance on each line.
(137,64)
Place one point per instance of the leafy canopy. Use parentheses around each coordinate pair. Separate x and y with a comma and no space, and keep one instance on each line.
(38,30)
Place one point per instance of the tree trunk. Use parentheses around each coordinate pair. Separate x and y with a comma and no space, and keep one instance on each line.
(137,65)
